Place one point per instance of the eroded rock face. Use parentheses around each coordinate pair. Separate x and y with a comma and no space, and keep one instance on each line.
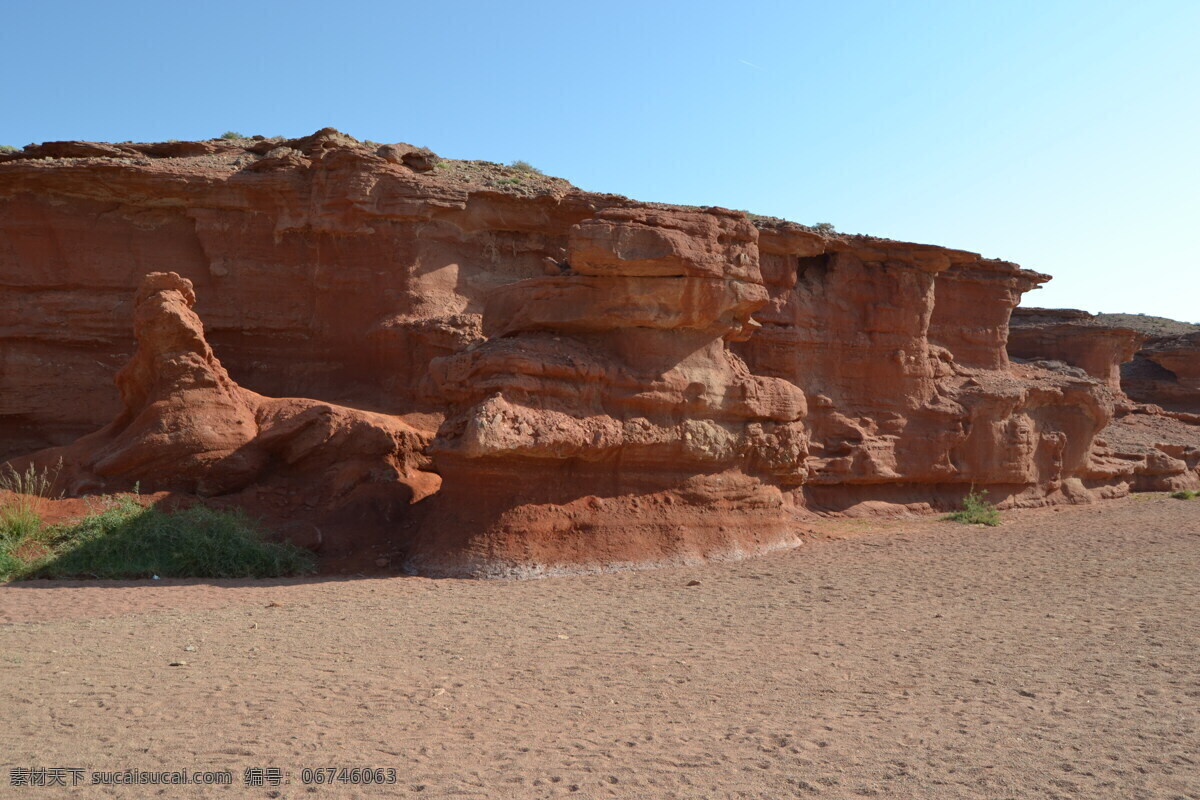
(1169,373)
(1150,450)
(1145,446)
(974,303)
(606,422)
(872,331)
(1160,371)
(322,269)
(513,377)
(186,426)
(1074,337)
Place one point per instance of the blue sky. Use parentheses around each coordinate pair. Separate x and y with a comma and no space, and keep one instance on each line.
(1061,135)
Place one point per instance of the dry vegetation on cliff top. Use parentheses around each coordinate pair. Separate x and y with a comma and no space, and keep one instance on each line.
(1151,326)
(232,151)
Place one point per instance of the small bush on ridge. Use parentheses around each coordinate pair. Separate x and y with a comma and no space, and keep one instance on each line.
(525,166)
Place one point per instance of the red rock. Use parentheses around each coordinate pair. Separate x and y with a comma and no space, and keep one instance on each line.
(606,422)
(1076,338)
(187,427)
(418,159)
(1176,382)
(1144,446)
(974,300)
(303,271)
(895,415)
(610,383)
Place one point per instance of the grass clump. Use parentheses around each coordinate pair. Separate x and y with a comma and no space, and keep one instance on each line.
(24,538)
(122,539)
(1185,494)
(232,135)
(525,166)
(34,485)
(21,509)
(976,510)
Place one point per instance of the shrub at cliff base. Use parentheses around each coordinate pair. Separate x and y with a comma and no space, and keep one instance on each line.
(976,510)
(121,539)
(1186,494)
(23,537)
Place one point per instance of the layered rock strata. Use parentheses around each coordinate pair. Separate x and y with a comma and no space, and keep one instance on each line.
(322,268)
(1076,338)
(606,422)
(510,376)
(872,331)
(1146,446)
(186,427)
(1166,372)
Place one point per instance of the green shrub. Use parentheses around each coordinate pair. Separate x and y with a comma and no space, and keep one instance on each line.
(8,148)
(23,535)
(18,523)
(11,567)
(1185,494)
(121,539)
(21,510)
(232,135)
(525,166)
(976,510)
(825,228)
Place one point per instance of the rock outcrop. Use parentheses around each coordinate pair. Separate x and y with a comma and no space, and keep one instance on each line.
(1074,337)
(322,269)
(1145,445)
(186,427)
(1149,360)
(1166,372)
(605,422)
(1162,371)
(1149,450)
(509,376)
(894,415)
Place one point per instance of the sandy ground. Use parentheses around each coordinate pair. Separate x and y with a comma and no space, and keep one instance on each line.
(1053,657)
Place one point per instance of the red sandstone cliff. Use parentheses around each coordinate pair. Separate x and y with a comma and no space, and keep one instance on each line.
(186,427)
(1076,338)
(1150,447)
(605,421)
(1167,372)
(872,331)
(597,382)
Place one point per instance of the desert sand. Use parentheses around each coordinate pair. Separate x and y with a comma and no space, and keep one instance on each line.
(1052,657)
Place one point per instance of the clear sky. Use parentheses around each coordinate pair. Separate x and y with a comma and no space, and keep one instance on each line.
(1061,134)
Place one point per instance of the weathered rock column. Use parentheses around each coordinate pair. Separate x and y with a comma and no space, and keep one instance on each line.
(606,423)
